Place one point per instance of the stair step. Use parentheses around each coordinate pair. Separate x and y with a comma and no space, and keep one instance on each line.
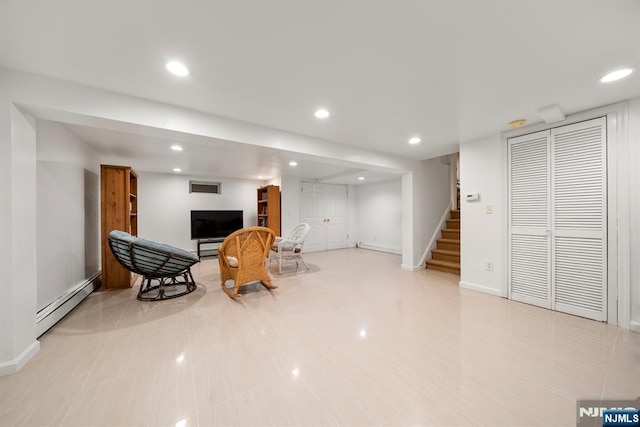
(453,223)
(450,233)
(446,255)
(449,244)
(446,252)
(455,214)
(446,266)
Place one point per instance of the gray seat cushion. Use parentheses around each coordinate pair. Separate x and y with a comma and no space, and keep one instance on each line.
(149,258)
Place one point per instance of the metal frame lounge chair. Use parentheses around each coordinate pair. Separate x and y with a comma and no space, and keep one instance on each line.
(169,267)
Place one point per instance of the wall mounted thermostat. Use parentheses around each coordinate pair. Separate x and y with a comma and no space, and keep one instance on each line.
(472,197)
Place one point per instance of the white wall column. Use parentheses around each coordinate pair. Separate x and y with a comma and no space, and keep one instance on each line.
(17,239)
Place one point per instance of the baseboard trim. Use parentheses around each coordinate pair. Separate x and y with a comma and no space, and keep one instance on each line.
(54,312)
(18,363)
(480,288)
(411,267)
(378,248)
(634,326)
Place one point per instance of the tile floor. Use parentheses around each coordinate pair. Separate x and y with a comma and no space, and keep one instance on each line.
(355,341)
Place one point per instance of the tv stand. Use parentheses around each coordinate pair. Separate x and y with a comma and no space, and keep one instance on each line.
(209,241)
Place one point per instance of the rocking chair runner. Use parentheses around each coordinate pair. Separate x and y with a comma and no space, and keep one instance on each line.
(242,258)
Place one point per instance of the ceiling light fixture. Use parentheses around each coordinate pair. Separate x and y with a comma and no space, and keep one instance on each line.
(321,114)
(361,178)
(177,170)
(261,177)
(617,75)
(177,68)
(176,148)
(414,140)
(517,123)
(293,163)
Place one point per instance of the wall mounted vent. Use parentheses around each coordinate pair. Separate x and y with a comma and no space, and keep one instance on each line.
(205,187)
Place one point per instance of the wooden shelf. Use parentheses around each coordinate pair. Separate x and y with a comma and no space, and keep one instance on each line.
(119,211)
(269,207)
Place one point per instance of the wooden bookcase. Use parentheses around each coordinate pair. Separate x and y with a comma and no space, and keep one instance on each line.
(119,211)
(269,207)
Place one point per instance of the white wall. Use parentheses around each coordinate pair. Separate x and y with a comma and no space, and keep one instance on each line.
(426,194)
(634,209)
(165,205)
(289,203)
(481,168)
(379,215)
(17,235)
(67,214)
(352,215)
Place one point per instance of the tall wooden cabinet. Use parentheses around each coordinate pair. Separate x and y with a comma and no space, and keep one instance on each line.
(119,211)
(269,207)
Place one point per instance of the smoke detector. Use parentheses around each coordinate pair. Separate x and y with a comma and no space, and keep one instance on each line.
(517,123)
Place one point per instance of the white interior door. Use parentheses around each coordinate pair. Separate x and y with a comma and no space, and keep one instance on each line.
(324,208)
(558,217)
(312,212)
(529,220)
(579,221)
(336,216)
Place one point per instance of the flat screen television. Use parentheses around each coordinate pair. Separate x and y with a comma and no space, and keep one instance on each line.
(214,224)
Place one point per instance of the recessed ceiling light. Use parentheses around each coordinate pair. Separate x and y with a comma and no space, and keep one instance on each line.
(617,75)
(361,178)
(176,148)
(261,177)
(177,170)
(293,163)
(414,140)
(321,114)
(177,68)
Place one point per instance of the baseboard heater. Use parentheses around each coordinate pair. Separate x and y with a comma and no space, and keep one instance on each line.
(54,312)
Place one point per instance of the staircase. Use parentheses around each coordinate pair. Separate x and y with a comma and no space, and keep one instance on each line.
(446,256)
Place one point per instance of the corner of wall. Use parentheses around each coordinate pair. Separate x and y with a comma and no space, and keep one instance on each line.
(18,363)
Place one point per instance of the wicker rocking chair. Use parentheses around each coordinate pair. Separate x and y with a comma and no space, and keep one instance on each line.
(242,258)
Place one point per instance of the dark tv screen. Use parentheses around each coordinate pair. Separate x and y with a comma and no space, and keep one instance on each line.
(214,224)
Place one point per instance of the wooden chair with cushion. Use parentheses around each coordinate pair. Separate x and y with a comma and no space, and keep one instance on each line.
(242,258)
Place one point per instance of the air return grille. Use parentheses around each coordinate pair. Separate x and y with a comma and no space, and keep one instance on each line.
(205,187)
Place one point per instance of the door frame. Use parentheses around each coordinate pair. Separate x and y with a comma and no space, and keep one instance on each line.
(618,221)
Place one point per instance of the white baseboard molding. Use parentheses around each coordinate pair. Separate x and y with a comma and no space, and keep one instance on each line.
(480,288)
(436,233)
(51,314)
(16,364)
(411,267)
(380,248)
(634,326)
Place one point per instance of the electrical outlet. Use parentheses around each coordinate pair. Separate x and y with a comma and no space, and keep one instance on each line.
(488,266)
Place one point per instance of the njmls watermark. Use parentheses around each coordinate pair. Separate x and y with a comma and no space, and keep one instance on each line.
(608,412)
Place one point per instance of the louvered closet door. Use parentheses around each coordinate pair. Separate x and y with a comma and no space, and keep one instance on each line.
(579,219)
(529,220)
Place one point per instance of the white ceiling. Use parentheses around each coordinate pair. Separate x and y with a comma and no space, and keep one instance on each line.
(447,70)
(214,158)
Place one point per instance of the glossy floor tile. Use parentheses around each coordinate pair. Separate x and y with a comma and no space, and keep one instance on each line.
(355,341)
